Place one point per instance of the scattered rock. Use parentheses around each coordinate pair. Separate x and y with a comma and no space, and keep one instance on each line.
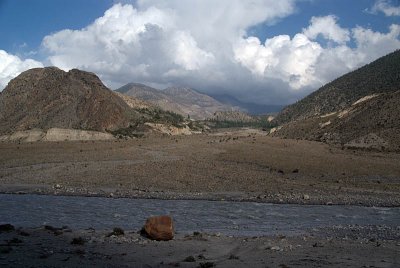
(159,228)
(56,231)
(43,256)
(50,228)
(78,241)
(23,233)
(317,245)
(233,257)
(189,259)
(276,248)
(117,232)
(6,228)
(206,265)
(306,197)
(79,252)
(15,240)
(5,249)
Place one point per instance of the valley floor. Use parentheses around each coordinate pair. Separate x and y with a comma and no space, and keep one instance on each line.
(232,165)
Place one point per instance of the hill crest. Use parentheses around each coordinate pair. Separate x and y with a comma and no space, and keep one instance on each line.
(380,76)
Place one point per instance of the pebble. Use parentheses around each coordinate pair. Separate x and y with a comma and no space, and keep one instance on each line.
(276,248)
(57,186)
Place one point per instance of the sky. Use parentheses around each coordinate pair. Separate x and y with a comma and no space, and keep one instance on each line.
(259,51)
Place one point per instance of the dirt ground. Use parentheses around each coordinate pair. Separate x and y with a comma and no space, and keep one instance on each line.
(232,165)
(62,247)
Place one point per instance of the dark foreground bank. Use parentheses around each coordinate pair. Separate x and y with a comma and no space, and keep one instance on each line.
(351,246)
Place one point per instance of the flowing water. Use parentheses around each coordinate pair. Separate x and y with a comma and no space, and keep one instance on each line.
(231,218)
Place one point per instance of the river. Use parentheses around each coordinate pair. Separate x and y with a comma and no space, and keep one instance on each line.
(231,218)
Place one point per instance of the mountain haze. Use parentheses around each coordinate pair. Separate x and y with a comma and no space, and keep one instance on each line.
(181,100)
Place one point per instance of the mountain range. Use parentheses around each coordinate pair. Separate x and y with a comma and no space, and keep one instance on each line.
(361,109)
(182,100)
(45,98)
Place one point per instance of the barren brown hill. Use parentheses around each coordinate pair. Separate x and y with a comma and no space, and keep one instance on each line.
(49,97)
(380,76)
(373,122)
(46,98)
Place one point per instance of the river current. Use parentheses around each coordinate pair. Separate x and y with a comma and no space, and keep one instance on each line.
(231,218)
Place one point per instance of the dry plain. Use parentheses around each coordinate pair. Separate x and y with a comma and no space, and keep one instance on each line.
(242,164)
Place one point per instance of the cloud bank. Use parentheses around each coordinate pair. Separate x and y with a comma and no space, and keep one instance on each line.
(205,44)
(302,62)
(11,66)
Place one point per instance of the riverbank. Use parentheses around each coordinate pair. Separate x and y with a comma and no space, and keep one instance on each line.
(240,165)
(357,199)
(351,246)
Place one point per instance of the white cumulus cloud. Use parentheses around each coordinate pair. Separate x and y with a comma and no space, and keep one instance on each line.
(205,44)
(302,63)
(291,60)
(11,66)
(160,41)
(386,7)
(327,27)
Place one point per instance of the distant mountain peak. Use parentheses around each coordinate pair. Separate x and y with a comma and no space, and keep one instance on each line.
(179,99)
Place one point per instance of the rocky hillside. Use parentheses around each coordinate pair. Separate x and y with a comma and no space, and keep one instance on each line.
(49,97)
(380,76)
(46,98)
(373,122)
(181,100)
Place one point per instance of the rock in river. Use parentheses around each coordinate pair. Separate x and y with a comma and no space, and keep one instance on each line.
(159,228)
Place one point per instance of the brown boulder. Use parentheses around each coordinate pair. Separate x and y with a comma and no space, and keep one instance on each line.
(159,228)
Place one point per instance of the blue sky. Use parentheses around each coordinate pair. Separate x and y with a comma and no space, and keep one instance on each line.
(262,51)
(350,13)
(26,22)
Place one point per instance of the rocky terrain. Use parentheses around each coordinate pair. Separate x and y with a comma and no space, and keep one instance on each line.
(371,123)
(380,76)
(48,98)
(358,110)
(181,100)
(234,116)
(47,246)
